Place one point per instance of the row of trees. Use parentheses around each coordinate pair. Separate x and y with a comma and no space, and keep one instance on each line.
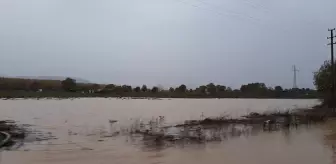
(251,90)
(10,84)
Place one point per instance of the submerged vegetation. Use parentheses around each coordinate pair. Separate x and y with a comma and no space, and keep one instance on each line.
(223,127)
(156,130)
(25,88)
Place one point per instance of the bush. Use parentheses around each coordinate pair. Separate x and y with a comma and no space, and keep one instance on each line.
(323,82)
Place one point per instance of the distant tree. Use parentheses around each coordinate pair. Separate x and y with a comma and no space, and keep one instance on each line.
(155,89)
(127,88)
(181,88)
(160,87)
(211,88)
(119,89)
(144,88)
(171,89)
(69,84)
(278,89)
(34,86)
(137,89)
(95,87)
(110,86)
(220,88)
(3,84)
(253,87)
(201,89)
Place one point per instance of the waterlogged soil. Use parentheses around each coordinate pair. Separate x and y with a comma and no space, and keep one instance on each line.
(116,131)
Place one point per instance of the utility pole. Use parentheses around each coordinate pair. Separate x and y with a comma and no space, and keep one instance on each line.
(332,66)
(294,78)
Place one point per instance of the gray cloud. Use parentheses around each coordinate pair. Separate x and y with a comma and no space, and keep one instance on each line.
(166,42)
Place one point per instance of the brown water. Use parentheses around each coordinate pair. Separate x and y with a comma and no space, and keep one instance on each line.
(80,124)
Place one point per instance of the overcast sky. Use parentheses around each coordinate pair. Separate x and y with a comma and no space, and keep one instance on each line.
(166,42)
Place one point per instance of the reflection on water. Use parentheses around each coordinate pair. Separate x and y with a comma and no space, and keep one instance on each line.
(85,134)
(330,137)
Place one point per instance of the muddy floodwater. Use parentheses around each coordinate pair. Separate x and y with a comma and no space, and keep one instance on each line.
(83,132)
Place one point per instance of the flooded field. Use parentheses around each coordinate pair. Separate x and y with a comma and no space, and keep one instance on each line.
(83,131)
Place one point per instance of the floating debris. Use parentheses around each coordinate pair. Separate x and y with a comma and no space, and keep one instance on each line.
(222,128)
(19,133)
(113,121)
(86,148)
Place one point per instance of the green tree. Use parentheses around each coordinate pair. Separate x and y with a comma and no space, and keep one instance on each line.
(171,89)
(118,89)
(278,89)
(95,87)
(69,84)
(253,87)
(127,88)
(137,89)
(155,89)
(201,89)
(211,88)
(160,87)
(323,82)
(110,86)
(181,88)
(220,88)
(108,89)
(35,86)
(3,84)
(144,88)
(323,78)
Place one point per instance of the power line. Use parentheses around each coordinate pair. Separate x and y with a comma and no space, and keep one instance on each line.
(332,66)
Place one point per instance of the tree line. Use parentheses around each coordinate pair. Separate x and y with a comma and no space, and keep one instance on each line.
(15,87)
(70,87)
(211,90)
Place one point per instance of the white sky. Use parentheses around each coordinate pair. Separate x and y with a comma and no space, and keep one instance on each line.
(167,42)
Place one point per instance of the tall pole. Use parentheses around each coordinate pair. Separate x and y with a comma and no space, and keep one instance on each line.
(332,66)
(294,78)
